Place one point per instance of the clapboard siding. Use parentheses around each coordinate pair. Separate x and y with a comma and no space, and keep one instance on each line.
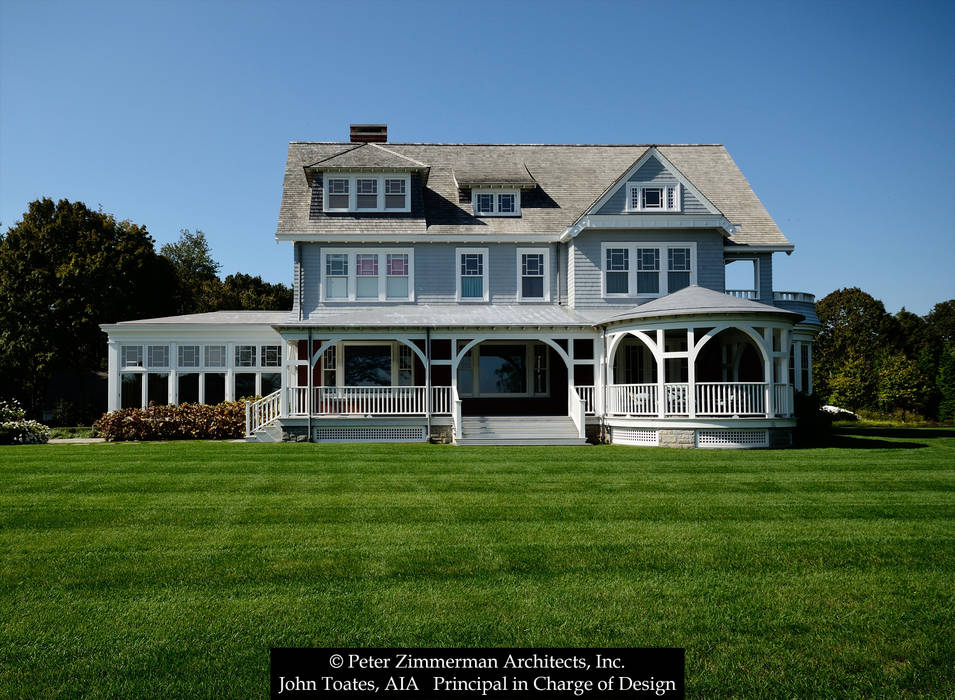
(587,266)
(765,277)
(652,172)
(435,267)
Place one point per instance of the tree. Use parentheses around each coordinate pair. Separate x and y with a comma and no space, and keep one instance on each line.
(853,385)
(64,269)
(941,319)
(901,385)
(240,291)
(196,271)
(945,384)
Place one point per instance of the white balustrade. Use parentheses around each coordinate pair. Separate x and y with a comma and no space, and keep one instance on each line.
(575,408)
(794,296)
(369,400)
(783,397)
(632,399)
(677,396)
(730,398)
(743,293)
(588,395)
(262,411)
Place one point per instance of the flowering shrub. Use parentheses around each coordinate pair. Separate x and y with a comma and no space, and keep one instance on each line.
(187,421)
(16,430)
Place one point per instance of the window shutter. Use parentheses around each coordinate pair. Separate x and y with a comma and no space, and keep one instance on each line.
(676,198)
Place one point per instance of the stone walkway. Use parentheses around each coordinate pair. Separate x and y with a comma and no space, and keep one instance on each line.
(75,441)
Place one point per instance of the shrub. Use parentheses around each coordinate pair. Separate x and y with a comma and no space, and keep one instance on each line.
(813,425)
(187,421)
(16,430)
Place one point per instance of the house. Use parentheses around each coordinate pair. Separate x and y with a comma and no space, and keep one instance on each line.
(501,293)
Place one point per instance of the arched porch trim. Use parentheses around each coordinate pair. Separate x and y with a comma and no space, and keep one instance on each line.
(400,339)
(480,339)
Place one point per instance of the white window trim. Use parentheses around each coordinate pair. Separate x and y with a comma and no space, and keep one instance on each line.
(352,277)
(339,369)
(520,287)
(496,193)
(353,192)
(640,186)
(632,271)
(458,252)
(474,391)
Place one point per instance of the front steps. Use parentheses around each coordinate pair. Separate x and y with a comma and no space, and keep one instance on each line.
(271,432)
(519,430)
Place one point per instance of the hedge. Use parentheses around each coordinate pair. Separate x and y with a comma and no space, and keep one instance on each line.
(187,421)
(15,429)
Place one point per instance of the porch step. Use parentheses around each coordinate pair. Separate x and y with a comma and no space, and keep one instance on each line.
(267,433)
(519,430)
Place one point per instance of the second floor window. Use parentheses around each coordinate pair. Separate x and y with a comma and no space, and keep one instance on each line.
(369,275)
(533,282)
(648,269)
(472,274)
(496,203)
(653,197)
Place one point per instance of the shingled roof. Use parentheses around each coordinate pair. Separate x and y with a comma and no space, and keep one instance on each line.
(569,181)
(368,155)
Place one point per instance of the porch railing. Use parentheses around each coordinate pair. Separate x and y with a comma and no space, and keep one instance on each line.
(632,399)
(262,411)
(588,395)
(369,400)
(456,412)
(730,398)
(677,399)
(783,398)
(794,296)
(743,293)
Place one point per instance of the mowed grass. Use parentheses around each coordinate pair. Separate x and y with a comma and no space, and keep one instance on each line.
(169,570)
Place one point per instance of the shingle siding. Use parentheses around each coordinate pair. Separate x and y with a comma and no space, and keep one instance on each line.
(587,263)
(652,173)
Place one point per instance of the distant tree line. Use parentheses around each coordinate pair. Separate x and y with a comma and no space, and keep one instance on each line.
(868,359)
(65,269)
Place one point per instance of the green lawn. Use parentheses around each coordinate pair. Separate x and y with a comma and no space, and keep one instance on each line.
(164,570)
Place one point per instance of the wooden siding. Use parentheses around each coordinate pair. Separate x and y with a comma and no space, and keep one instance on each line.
(651,172)
(587,265)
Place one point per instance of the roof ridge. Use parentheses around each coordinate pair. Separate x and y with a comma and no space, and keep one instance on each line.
(550,145)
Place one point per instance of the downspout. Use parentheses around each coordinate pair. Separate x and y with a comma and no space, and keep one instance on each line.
(308,398)
(427,378)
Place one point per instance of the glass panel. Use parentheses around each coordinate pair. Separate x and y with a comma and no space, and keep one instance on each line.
(368,365)
(132,390)
(533,287)
(188,355)
(158,355)
(338,201)
(635,198)
(215,387)
(271,382)
(532,264)
(678,259)
(366,186)
(366,265)
(503,369)
(648,283)
(465,375)
(395,186)
(617,283)
(336,287)
(505,203)
(367,288)
(397,287)
(397,263)
(336,264)
(337,186)
(244,356)
(244,385)
(677,280)
(188,387)
(157,388)
(405,366)
(485,203)
(271,356)
(648,259)
(132,356)
(367,201)
(395,201)
(472,287)
(215,355)
(652,198)
(472,264)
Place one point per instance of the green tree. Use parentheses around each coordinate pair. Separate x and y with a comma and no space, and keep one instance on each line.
(241,291)
(65,269)
(941,319)
(196,272)
(853,385)
(901,385)
(945,384)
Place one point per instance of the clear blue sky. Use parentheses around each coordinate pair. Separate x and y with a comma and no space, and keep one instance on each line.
(178,115)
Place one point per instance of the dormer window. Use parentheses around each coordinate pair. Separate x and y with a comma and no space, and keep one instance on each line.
(496,202)
(367,193)
(653,197)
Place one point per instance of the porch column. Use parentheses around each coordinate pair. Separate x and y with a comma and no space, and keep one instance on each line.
(286,371)
(784,336)
(112,376)
(173,388)
(600,376)
(661,375)
(230,372)
(690,374)
(768,372)
(809,366)
(797,365)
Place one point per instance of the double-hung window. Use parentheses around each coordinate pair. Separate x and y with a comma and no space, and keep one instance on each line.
(657,268)
(369,275)
(533,282)
(365,192)
(472,274)
(496,202)
(270,356)
(653,197)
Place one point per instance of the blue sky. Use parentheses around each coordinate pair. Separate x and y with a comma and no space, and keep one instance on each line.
(178,115)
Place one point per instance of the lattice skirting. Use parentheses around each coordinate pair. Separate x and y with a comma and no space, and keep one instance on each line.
(732,438)
(370,433)
(634,436)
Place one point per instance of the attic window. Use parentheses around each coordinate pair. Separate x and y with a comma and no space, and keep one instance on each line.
(653,197)
(352,192)
(496,202)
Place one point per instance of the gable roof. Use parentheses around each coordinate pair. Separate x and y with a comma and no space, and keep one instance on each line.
(475,174)
(367,155)
(570,179)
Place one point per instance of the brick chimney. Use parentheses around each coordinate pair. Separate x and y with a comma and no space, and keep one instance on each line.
(369,133)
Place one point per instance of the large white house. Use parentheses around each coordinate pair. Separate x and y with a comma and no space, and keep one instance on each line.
(504,293)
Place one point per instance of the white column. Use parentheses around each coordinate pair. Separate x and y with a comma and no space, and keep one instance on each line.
(113,384)
(601,376)
(291,348)
(768,372)
(229,372)
(690,374)
(661,375)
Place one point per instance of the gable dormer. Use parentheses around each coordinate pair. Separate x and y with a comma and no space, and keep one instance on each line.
(365,179)
(654,186)
(493,189)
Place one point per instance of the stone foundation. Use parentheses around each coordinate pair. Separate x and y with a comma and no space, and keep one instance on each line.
(295,433)
(441,434)
(683,439)
(594,436)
